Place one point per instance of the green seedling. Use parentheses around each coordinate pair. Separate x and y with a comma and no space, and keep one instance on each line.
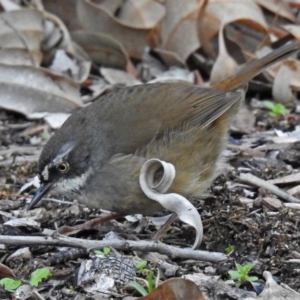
(141,268)
(35,278)
(38,276)
(10,284)
(105,251)
(229,249)
(276,109)
(241,274)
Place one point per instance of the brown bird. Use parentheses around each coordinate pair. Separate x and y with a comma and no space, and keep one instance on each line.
(97,154)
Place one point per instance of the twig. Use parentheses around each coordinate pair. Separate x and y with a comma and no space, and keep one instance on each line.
(144,246)
(251,179)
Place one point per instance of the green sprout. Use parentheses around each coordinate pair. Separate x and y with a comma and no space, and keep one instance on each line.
(229,249)
(35,278)
(141,268)
(241,274)
(10,284)
(276,109)
(105,251)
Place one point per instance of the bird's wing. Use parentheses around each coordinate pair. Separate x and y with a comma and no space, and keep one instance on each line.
(133,116)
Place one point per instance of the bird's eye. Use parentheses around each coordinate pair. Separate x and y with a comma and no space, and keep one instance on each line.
(63,167)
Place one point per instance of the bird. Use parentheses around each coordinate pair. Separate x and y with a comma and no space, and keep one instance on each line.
(97,154)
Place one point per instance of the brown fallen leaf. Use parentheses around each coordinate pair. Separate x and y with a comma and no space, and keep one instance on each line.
(281,89)
(175,289)
(273,291)
(104,50)
(30,90)
(289,76)
(225,66)
(21,33)
(6,272)
(278,8)
(179,27)
(66,11)
(220,13)
(101,18)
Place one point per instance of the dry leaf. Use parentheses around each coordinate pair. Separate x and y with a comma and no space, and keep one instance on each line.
(114,76)
(170,58)
(273,291)
(179,27)
(21,33)
(141,14)
(29,90)
(278,8)
(281,89)
(293,29)
(101,18)
(220,13)
(175,289)
(64,10)
(6,272)
(104,50)
(156,191)
(292,64)
(225,66)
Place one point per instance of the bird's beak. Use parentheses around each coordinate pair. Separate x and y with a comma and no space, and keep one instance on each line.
(39,194)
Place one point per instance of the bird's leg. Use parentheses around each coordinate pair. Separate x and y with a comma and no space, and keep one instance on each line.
(164,227)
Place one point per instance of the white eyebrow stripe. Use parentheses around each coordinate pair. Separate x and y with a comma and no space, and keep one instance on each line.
(62,154)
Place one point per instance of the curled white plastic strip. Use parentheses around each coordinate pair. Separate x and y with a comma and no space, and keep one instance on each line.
(186,212)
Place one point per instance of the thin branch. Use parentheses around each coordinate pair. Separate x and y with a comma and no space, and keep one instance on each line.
(144,246)
(251,179)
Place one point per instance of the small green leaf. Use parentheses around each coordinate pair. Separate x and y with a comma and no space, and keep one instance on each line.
(38,275)
(150,282)
(106,250)
(252,278)
(239,267)
(141,265)
(268,104)
(229,249)
(247,268)
(10,284)
(277,109)
(138,287)
(99,252)
(234,274)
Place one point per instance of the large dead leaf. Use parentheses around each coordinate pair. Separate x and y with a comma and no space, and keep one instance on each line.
(100,18)
(224,66)
(104,50)
(141,14)
(21,33)
(179,27)
(220,13)
(30,90)
(274,291)
(293,29)
(66,11)
(175,289)
(278,8)
(281,90)
(156,191)
(292,64)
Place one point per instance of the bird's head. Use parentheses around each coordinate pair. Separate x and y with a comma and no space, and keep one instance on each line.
(63,169)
